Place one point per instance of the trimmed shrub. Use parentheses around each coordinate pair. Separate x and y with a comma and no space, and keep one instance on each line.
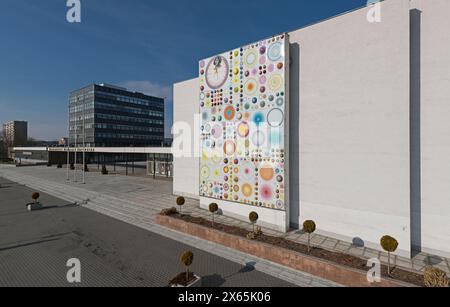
(213,208)
(253,217)
(104,170)
(187,258)
(390,245)
(180,202)
(435,278)
(35,196)
(309,227)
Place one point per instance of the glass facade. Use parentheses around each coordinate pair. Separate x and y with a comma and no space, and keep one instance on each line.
(110,116)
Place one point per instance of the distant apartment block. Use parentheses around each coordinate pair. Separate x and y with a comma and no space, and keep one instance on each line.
(111,116)
(3,151)
(15,133)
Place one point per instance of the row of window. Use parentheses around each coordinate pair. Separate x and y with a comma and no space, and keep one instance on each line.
(138,101)
(74,118)
(111,107)
(128,136)
(126,128)
(90,107)
(81,108)
(129,119)
(118,127)
(81,97)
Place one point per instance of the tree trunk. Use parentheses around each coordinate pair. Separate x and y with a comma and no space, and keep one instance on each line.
(213,219)
(187,275)
(309,243)
(389,263)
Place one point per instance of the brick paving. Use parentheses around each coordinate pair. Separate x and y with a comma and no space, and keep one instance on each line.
(145,197)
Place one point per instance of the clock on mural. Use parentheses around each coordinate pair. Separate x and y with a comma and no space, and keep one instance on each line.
(217,72)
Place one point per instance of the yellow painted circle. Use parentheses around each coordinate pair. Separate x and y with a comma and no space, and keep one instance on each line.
(247,190)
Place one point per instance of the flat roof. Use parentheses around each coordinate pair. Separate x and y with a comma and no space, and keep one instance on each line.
(136,150)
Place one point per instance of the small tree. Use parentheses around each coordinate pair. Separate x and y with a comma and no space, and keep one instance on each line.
(86,169)
(253,217)
(187,258)
(213,208)
(72,166)
(390,245)
(35,196)
(180,202)
(104,170)
(435,278)
(309,227)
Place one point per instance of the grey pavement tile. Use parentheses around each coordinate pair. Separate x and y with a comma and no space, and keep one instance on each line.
(133,193)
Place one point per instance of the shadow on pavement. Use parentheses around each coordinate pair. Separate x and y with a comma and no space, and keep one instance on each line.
(28,244)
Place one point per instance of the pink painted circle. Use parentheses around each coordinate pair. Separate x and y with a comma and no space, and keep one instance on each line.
(248,171)
(266,193)
(217,131)
(263,80)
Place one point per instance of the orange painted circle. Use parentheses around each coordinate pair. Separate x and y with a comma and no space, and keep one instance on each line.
(229,113)
(267,173)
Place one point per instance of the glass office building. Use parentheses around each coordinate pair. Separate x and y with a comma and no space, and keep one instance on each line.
(109,116)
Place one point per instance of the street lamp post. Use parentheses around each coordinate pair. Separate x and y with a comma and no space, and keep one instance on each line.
(84,138)
(76,146)
(68,150)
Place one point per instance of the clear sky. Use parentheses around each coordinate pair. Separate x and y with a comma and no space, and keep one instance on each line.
(145,45)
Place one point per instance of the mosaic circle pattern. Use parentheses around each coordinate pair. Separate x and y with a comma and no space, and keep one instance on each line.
(243,123)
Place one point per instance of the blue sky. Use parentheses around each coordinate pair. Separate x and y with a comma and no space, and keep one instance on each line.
(146,45)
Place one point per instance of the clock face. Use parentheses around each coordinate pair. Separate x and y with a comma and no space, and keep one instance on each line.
(217,72)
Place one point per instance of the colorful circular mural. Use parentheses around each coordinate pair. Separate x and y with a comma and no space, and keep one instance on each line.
(243,116)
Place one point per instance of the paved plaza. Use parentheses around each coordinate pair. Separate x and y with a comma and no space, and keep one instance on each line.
(35,246)
(138,200)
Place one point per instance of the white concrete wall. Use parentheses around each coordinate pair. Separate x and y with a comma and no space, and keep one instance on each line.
(186,169)
(272,219)
(354,125)
(366,148)
(432,210)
